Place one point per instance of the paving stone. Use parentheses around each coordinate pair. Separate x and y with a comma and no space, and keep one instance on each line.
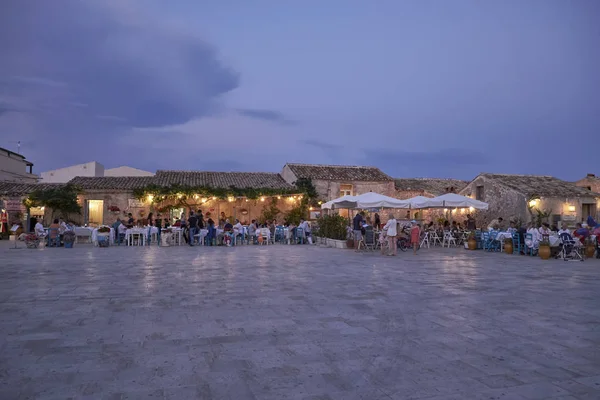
(295,322)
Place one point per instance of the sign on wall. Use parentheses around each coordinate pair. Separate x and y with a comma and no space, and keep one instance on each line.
(14,205)
(135,203)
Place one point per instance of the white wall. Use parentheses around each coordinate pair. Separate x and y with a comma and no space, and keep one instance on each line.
(63,175)
(126,171)
(13,168)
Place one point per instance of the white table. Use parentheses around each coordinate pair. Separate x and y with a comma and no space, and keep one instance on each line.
(83,231)
(177,234)
(137,231)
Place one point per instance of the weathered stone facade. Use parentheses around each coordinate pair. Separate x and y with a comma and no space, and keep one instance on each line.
(590,182)
(329,186)
(564,203)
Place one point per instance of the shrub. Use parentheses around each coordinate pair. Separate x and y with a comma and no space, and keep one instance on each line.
(332,227)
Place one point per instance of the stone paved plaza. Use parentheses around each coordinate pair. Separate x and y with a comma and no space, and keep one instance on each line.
(295,322)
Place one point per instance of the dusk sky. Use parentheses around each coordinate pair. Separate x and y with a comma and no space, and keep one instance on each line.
(418,88)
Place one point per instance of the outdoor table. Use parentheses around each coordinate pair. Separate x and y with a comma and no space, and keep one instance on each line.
(137,231)
(81,231)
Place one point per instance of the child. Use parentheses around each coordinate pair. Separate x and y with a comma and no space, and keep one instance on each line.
(415,235)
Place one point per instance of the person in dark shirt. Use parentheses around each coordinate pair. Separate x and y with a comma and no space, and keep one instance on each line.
(212,232)
(470,223)
(193,227)
(377,221)
(357,226)
(130,220)
(158,224)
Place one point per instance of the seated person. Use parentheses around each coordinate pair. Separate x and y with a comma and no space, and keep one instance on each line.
(534,242)
(227,233)
(545,229)
(177,222)
(564,229)
(581,233)
(238,229)
(121,230)
(39,229)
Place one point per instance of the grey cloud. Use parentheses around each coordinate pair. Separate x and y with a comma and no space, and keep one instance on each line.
(267,115)
(451,163)
(69,61)
(321,145)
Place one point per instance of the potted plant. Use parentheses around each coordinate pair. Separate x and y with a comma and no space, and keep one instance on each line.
(590,247)
(544,250)
(32,241)
(508,246)
(114,209)
(103,236)
(472,241)
(69,239)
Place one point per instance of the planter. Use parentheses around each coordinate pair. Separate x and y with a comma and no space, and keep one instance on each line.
(472,244)
(336,244)
(349,243)
(544,252)
(69,245)
(590,249)
(103,240)
(508,247)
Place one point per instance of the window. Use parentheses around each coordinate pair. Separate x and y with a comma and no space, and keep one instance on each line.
(345,190)
(589,188)
(479,194)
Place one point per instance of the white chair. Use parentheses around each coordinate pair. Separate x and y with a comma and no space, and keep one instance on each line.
(137,239)
(266,235)
(448,239)
(425,240)
(436,239)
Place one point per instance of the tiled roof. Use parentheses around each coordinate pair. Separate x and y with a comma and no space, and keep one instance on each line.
(339,172)
(112,182)
(540,185)
(223,180)
(435,186)
(22,189)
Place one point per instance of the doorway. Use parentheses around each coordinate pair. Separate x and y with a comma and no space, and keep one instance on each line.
(587,210)
(95,212)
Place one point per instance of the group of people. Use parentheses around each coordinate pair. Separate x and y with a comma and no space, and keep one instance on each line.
(388,234)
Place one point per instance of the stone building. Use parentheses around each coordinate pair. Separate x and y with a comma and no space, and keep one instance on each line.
(12,195)
(15,168)
(591,182)
(92,168)
(427,187)
(522,196)
(102,195)
(333,181)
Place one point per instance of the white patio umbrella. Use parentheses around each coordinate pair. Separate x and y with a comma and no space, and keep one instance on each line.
(366,200)
(418,201)
(453,200)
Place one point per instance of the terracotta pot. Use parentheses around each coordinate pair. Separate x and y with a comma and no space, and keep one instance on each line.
(544,252)
(472,244)
(350,243)
(590,249)
(508,247)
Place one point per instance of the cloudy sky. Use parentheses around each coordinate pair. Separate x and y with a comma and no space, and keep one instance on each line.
(428,88)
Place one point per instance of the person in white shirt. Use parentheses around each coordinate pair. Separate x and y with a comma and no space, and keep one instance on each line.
(238,229)
(391,228)
(564,229)
(545,229)
(305,226)
(532,243)
(39,230)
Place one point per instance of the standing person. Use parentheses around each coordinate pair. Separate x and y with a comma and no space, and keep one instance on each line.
(391,227)
(356,227)
(150,224)
(212,232)
(130,220)
(377,221)
(200,217)
(415,235)
(193,227)
(183,225)
(471,223)
(158,224)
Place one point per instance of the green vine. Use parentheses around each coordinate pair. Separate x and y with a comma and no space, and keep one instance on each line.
(182,194)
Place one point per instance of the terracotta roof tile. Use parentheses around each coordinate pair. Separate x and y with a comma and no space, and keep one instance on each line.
(256,180)
(541,185)
(339,172)
(22,189)
(111,182)
(435,186)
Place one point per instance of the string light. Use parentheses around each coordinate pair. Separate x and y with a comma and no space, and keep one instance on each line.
(262,199)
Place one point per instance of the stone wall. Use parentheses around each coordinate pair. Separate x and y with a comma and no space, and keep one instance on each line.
(329,190)
(590,181)
(232,209)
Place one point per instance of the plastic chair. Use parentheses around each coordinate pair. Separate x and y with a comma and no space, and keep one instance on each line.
(425,240)
(299,237)
(279,234)
(448,238)
(529,250)
(570,248)
(517,249)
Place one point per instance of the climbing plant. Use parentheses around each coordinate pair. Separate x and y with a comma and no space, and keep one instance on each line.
(61,200)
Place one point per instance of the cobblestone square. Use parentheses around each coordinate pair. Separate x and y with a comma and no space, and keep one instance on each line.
(295,322)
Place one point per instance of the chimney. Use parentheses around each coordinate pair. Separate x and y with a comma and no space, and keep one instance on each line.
(591,175)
